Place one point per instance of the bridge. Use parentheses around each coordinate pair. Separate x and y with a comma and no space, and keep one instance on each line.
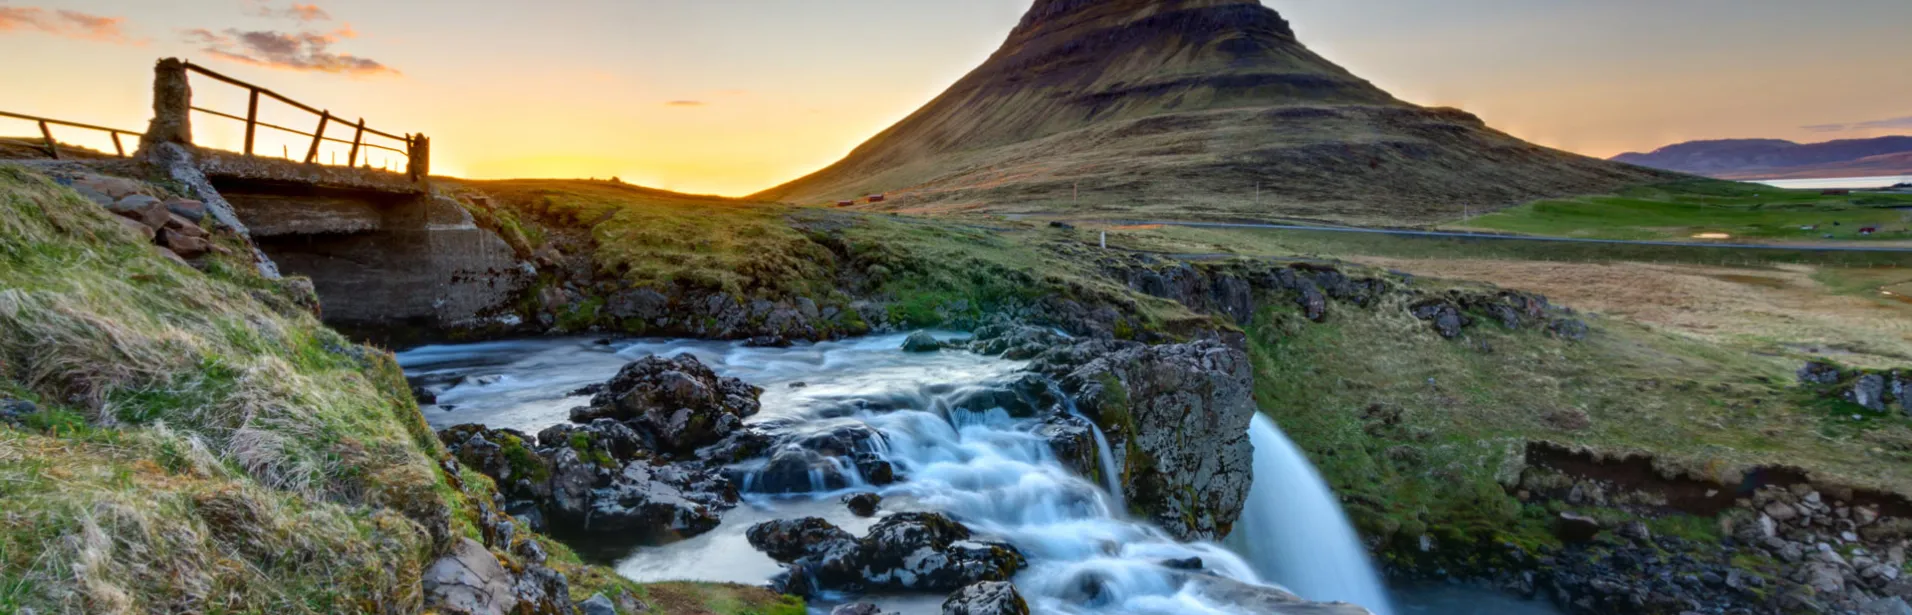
(380,245)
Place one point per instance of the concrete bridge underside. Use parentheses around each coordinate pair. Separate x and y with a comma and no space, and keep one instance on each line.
(382,255)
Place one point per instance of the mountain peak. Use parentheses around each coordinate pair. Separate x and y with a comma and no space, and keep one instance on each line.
(1146,103)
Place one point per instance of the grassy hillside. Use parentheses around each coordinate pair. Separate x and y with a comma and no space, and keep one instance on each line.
(179,441)
(1745,212)
(1421,436)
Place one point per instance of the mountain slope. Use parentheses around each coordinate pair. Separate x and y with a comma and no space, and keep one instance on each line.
(1183,107)
(1771,158)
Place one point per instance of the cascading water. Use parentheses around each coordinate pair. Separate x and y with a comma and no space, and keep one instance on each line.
(983,466)
(1294,533)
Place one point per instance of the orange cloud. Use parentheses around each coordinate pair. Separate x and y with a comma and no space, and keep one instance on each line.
(299,51)
(302,13)
(686,103)
(66,23)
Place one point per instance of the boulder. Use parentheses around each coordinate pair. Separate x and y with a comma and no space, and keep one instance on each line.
(986,598)
(859,608)
(598,604)
(1263,600)
(678,404)
(665,501)
(183,244)
(1572,527)
(189,209)
(1445,317)
(828,460)
(469,581)
(1869,392)
(863,504)
(140,230)
(1151,402)
(1569,329)
(904,552)
(921,341)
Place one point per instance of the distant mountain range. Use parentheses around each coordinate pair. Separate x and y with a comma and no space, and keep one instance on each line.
(1780,159)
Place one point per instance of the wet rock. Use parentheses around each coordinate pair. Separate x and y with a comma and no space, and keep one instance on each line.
(1189,563)
(904,552)
(860,608)
(986,598)
(601,439)
(768,341)
(469,581)
(1571,527)
(863,504)
(921,341)
(789,540)
(1151,402)
(826,460)
(659,502)
(677,404)
(1072,438)
(1265,600)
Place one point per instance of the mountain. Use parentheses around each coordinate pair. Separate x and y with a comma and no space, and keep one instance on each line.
(1774,158)
(1189,108)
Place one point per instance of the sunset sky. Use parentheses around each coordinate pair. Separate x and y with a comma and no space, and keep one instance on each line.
(734,96)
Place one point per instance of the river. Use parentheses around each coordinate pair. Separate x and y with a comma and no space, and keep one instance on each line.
(986,468)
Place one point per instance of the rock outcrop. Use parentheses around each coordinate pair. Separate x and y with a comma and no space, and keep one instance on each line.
(676,405)
(904,552)
(986,598)
(1152,402)
(1874,390)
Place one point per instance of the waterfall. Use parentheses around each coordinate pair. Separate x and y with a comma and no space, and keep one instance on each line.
(1293,531)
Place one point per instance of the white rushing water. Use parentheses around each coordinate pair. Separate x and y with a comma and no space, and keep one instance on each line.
(986,468)
(1293,530)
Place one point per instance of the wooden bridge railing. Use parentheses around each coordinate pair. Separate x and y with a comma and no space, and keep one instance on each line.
(415,148)
(51,146)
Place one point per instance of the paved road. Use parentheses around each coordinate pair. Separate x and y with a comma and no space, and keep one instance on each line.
(1492,237)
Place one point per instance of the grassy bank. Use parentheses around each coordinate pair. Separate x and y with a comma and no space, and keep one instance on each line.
(1421,435)
(1688,209)
(924,271)
(187,441)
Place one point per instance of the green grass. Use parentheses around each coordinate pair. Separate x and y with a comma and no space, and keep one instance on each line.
(1420,435)
(1684,210)
(204,445)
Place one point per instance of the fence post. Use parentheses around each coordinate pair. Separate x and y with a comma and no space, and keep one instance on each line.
(252,118)
(52,147)
(419,157)
(351,160)
(118,148)
(318,136)
(172,105)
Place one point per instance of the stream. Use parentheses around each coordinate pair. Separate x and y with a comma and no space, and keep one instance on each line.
(984,467)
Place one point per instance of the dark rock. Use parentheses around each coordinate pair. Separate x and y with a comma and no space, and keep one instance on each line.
(543,591)
(789,540)
(1568,329)
(1151,402)
(1191,563)
(1072,438)
(1636,531)
(1446,318)
(767,341)
(863,504)
(1571,527)
(921,341)
(665,501)
(986,598)
(860,608)
(678,404)
(904,552)
(1820,373)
